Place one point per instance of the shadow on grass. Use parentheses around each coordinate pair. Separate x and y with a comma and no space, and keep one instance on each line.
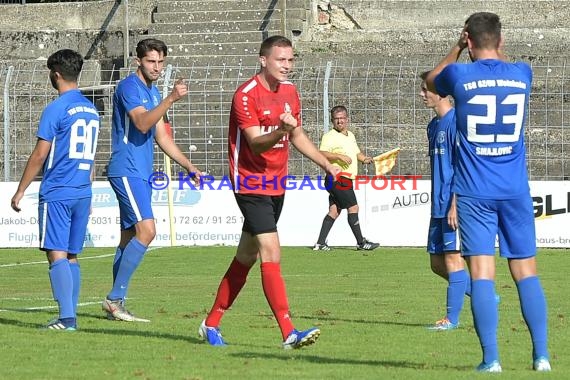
(17,323)
(362,321)
(327,360)
(123,332)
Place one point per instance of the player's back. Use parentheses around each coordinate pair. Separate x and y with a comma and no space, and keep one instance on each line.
(71,124)
(490,100)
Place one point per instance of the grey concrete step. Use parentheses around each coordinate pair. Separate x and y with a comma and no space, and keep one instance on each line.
(178,60)
(237,15)
(409,43)
(190,6)
(29,73)
(214,72)
(212,27)
(404,14)
(35,45)
(212,38)
(210,49)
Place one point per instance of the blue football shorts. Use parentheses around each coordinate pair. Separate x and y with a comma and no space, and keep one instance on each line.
(63,224)
(135,200)
(482,220)
(441,237)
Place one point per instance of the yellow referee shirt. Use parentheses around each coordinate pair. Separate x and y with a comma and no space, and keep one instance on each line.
(339,143)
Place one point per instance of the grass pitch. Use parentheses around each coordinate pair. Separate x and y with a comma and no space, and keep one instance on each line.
(372,309)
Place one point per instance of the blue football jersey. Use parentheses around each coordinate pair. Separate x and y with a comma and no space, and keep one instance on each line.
(441,137)
(71,124)
(491,98)
(132,150)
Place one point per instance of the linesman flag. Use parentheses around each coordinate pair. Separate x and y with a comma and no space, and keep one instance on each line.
(386,161)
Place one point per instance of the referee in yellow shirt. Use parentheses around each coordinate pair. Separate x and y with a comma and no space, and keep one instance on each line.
(340,148)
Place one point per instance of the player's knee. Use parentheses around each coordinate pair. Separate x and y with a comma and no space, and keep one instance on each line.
(438,267)
(146,233)
(454,262)
(435,268)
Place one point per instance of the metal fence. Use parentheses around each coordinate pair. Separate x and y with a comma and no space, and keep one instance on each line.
(382,98)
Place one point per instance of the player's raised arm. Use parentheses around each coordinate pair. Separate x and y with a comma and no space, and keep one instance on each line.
(451,57)
(145,119)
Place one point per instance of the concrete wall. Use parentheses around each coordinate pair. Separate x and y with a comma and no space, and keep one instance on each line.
(74,16)
(94,28)
(405,28)
(378,48)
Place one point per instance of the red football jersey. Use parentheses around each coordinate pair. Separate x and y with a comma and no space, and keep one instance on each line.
(254,106)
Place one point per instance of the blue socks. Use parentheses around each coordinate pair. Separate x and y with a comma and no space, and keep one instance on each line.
(76,277)
(117,262)
(533,307)
(468,286)
(62,287)
(129,262)
(455,294)
(485,317)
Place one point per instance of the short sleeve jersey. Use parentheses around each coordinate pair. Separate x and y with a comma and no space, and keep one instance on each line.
(71,124)
(441,137)
(132,150)
(336,142)
(254,106)
(491,98)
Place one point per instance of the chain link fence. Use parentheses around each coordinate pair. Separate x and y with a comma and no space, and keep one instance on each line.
(382,97)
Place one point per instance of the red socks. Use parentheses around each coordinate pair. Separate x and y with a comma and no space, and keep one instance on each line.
(276,295)
(229,288)
(273,287)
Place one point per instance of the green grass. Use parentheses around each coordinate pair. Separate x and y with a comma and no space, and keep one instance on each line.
(372,310)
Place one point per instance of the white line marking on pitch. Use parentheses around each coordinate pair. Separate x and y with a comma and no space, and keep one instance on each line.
(81,259)
(49,307)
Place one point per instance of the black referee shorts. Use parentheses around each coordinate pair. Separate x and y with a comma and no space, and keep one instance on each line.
(342,193)
(261,212)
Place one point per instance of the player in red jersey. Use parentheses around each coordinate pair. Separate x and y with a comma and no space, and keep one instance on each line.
(265,116)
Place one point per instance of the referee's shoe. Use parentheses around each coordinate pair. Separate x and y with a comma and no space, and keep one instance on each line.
(367,246)
(321,247)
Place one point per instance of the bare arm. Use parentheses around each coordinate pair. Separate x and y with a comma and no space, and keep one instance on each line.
(364,158)
(144,120)
(336,157)
(303,144)
(33,167)
(260,143)
(452,214)
(168,146)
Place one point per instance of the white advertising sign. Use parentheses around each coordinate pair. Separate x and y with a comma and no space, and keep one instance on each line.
(391,213)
